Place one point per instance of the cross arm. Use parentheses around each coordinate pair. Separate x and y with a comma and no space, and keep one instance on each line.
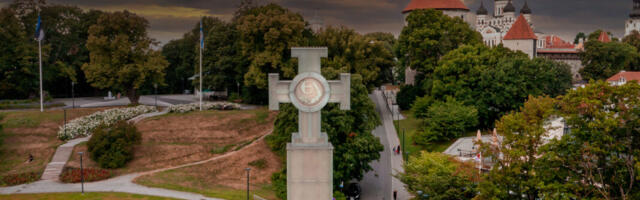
(278,92)
(341,91)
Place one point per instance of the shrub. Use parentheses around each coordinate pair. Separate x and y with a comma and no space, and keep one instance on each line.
(1,133)
(73,175)
(17,179)
(113,147)
(260,163)
(446,120)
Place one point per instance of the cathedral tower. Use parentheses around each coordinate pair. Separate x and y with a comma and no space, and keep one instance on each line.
(481,15)
(499,7)
(526,12)
(509,12)
(633,23)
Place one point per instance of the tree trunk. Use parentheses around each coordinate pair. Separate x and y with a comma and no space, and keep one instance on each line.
(133,96)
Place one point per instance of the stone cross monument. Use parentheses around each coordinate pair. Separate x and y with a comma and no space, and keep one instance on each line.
(309,155)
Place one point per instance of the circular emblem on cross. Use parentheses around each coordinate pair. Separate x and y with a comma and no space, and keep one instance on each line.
(309,92)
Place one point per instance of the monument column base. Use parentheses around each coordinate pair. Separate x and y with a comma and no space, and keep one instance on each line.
(309,171)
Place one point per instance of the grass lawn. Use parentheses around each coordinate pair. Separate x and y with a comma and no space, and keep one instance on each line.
(411,125)
(32,132)
(223,178)
(85,196)
(180,138)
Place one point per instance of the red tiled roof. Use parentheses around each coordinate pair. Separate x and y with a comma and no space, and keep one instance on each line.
(555,42)
(629,76)
(604,37)
(435,4)
(520,30)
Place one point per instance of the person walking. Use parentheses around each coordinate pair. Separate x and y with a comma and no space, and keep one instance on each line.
(395,195)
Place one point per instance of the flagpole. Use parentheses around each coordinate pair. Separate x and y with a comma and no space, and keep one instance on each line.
(40,61)
(201,78)
(201,45)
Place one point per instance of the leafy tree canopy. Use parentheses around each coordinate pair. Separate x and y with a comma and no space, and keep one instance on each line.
(428,36)
(353,53)
(121,56)
(603,60)
(439,176)
(496,80)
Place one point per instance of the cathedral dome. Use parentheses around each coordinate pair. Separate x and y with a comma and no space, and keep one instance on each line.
(525,9)
(509,8)
(482,10)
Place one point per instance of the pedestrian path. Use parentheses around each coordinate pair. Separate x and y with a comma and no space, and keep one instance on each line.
(50,183)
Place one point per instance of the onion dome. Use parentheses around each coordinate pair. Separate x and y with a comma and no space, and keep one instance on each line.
(509,8)
(482,10)
(525,9)
(636,9)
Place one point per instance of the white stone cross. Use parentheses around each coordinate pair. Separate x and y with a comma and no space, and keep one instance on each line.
(309,91)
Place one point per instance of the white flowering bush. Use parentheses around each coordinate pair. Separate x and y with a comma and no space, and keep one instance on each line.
(84,125)
(183,108)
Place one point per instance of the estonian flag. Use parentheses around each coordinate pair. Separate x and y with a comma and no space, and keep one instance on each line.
(201,36)
(39,31)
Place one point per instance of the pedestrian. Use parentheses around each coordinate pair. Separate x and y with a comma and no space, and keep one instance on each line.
(395,195)
(398,149)
(394,149)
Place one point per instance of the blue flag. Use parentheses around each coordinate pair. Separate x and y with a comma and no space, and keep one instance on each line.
(39,32)
(201,36)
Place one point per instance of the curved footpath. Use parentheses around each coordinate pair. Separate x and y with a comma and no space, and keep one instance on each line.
(380,182)
(124,183)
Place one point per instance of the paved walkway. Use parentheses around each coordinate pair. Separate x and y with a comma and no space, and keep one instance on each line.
(380,183)
(51,184)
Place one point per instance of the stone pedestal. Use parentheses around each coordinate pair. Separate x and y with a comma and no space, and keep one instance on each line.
(309,171)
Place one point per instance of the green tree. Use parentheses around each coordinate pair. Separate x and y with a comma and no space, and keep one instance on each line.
(600,152)
(223,62)
(428,36)
(349,133)
(267,34)
(353,53)
(180,55)
(18,61)
(603,60)
(439,176)
(496,80)
(121,57)
(633,39)
(515,173)
(446,121)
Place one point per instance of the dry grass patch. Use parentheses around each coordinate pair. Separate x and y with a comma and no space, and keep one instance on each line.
(224,177)
(35,133)
(177,139)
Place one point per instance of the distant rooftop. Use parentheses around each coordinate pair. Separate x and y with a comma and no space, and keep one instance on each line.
(435,4)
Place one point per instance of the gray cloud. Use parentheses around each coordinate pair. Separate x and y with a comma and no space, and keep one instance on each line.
(169,19)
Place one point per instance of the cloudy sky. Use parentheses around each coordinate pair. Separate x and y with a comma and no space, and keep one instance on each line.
(169,19)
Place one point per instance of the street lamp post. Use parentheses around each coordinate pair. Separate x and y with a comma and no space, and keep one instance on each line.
(403,147)
(155,88)
(81,173)
(248,170)
(73,95)
(65,121)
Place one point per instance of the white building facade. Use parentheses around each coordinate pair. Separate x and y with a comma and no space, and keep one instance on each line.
(633,23)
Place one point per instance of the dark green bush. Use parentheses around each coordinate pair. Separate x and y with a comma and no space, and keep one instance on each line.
(446,121)
(407,95)
(113,147)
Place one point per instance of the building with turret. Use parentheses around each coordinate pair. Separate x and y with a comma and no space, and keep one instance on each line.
(633,23)
(495,26)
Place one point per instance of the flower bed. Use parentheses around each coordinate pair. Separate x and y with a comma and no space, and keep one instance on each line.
(17,179)
(183,108)
(84,125)
(72,175)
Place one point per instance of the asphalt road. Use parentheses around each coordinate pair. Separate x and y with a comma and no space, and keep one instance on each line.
(380,183)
